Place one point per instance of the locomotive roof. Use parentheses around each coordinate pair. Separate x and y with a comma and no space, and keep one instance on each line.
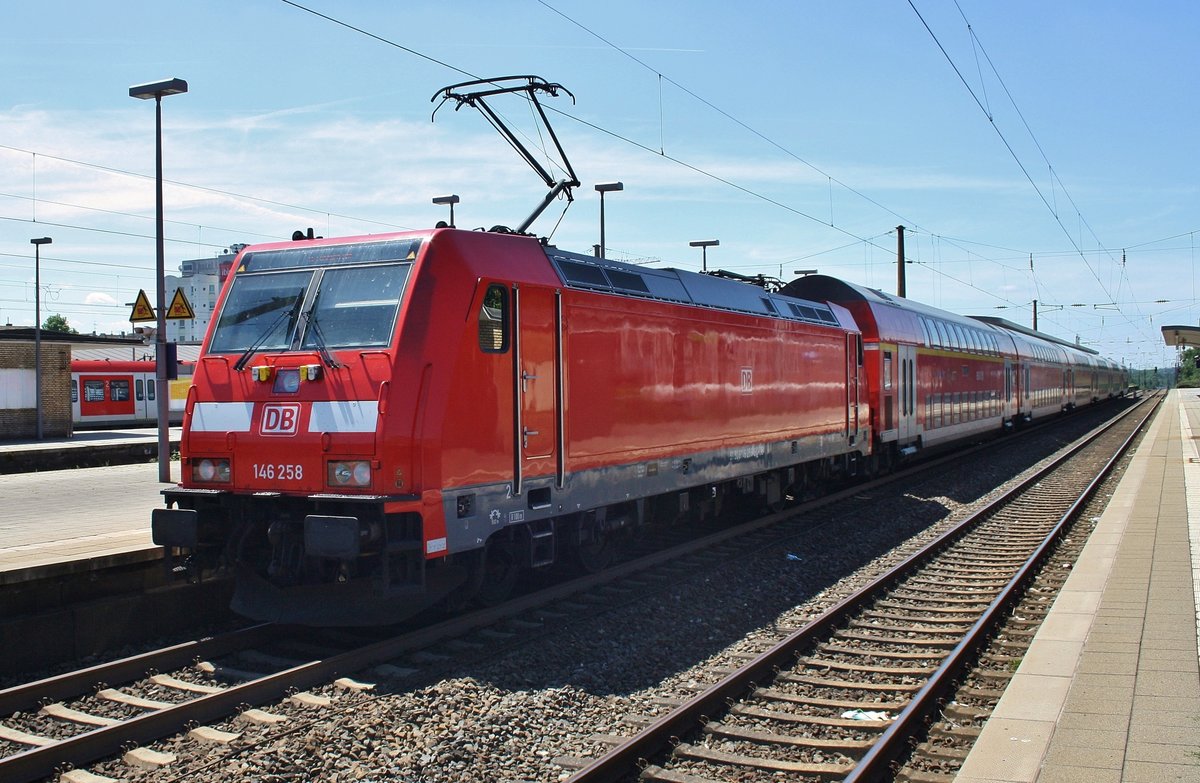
(679,285)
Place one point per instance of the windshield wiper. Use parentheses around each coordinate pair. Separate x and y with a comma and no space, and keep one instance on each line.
(319,340)
(288,314)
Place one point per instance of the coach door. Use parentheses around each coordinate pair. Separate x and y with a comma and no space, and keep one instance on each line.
(537,385)
(853,366)
(1010,408)
(907,392)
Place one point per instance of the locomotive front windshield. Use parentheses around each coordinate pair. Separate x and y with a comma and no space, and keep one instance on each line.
(262,310)
(333,300)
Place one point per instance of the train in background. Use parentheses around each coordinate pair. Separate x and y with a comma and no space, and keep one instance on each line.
(114,393)
(380,424)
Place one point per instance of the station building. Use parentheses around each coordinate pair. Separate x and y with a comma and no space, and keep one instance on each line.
(200,279)
(18,392)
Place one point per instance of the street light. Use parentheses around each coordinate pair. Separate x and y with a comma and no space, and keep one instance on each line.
(602,188)
(37,329)
(451,200)
(705,244)
(157,90)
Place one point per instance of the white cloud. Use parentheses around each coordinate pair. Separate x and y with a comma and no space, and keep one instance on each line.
(259,177)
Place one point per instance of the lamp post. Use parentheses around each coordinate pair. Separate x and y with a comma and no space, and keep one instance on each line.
(451,199)
(602,188)
(157,90)
(704,244)
(37,330)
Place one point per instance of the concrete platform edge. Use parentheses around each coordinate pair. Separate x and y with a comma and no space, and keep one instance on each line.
(1089,637)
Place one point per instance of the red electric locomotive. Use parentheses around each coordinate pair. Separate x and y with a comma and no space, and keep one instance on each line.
(381,423)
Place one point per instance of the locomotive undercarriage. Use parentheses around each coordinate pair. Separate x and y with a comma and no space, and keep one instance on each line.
(589,541)
(340,560)
(332,560)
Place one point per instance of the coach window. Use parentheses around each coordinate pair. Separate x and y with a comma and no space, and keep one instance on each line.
(149,390)
(493,320)
(93,391)
(139,389)
(960,339)
(887,369)
(119,391)
(74,391)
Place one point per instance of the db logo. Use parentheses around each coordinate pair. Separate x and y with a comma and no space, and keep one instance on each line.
(280,418)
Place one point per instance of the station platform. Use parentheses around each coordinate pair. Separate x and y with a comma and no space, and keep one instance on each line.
(86,448)
(61,522)
(1110,690)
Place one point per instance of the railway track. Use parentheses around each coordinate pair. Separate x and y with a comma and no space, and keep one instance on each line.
(118,708)
(845,696)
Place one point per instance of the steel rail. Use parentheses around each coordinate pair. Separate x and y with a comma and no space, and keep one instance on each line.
(87,747)
(893,745)
(29,696)
(623,759)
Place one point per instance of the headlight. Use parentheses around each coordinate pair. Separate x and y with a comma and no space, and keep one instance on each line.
(287,381)
(350,474)
(211,471)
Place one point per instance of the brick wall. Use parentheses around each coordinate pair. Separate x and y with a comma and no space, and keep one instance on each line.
(21,423)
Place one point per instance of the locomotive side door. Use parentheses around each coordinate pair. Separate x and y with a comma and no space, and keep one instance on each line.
(537,384)
(907,392)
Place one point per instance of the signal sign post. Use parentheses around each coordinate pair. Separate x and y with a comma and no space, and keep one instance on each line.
(180,307)
(142,311)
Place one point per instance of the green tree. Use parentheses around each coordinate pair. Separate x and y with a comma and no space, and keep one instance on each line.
(56,323)
(1189,373)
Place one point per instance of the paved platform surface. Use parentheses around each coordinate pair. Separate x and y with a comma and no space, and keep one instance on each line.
(65,521)
(1110,690)
(83,439)
(87,448)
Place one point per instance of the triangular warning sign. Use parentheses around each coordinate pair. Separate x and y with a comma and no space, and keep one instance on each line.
(180,307)
(142,311)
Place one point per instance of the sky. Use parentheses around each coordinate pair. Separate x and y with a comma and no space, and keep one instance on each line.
(1033,151)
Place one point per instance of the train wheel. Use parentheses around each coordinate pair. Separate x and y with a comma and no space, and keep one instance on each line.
(595,556)
(501,566)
